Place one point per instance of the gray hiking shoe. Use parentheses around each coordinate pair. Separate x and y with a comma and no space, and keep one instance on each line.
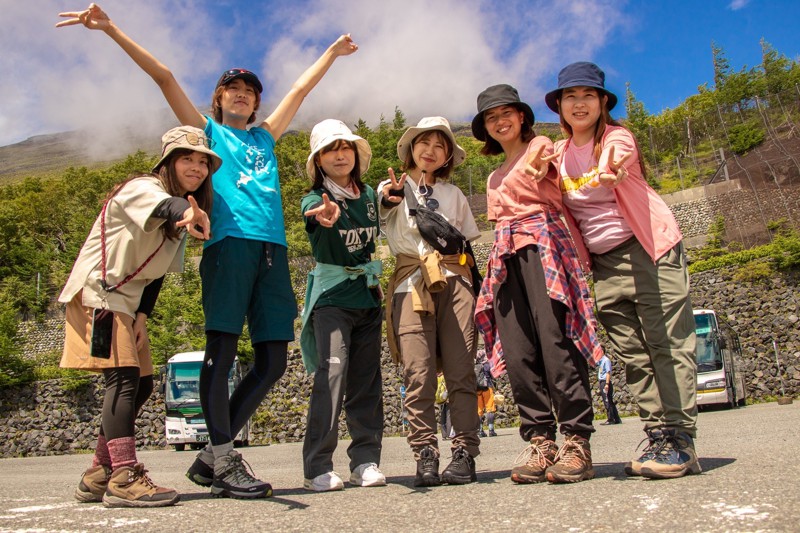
(654,441)
(674,458)
(232,479)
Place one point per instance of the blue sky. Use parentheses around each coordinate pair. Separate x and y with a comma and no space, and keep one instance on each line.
(427,57)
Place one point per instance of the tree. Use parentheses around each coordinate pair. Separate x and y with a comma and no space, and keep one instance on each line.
(399,122)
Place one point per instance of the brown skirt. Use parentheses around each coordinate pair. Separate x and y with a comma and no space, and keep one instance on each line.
(123,342)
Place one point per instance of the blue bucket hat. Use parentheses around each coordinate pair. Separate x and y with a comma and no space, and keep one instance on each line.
(580,74)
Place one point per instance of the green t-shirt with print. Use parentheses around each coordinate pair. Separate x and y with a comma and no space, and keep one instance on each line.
(350,242)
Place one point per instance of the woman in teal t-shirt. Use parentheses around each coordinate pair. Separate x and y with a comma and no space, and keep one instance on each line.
(341,337)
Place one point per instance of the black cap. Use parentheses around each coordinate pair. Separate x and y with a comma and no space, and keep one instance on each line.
(495,96)
(240,73)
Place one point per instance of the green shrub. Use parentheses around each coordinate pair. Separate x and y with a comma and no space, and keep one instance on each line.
(744,137)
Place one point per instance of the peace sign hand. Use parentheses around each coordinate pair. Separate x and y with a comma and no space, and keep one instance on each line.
(196,221)
(93,18)
(537,166)
(326,214)
(393,192)
(617,173)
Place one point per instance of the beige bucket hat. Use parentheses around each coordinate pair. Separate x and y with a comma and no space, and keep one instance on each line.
(190,138)
(429,124)
(328,132)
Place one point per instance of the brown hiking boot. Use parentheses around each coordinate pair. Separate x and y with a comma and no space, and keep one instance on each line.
(93,484)
(132,487)
(573,462)
(538,457)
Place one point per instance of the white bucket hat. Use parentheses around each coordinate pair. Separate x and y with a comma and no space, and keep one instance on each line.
(328,132)
(189,138)
(429,124)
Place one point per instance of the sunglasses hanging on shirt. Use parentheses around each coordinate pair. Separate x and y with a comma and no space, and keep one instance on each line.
(427,191)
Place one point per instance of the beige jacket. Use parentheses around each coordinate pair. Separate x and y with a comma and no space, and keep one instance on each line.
(131,236)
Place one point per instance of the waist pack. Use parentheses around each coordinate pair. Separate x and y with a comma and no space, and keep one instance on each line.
(441,235)
(434,228)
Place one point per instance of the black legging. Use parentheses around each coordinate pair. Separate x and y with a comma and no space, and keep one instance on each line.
(224,417)
(125,395)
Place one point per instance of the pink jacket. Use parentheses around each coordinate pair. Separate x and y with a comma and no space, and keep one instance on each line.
(652,222)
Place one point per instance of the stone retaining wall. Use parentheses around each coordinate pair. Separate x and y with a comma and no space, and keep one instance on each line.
(42,418)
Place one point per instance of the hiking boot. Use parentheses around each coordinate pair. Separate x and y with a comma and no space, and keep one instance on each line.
(573,461)
(232,479)
(427,468)
(654,440)
(324,482)
(201,472)
(492,433)
(367,475)
(93,484)
(461,469)
(674,458)
(482,433)
(130,486)
(538,456)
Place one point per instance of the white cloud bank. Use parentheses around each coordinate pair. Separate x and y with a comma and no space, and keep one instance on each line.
(425,57)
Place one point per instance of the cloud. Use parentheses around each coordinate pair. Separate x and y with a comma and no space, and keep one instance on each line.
(71,78)
(424,57)
(434,57)
(736,5)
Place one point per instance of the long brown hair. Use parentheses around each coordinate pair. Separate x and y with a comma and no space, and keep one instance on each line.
(604,120)
(216,103)
(319,175)
(444,171)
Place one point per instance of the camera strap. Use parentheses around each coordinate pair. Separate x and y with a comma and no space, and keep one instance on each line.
(103,281)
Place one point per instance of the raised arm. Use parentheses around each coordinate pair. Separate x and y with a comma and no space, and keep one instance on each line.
(95,18)
(279,120)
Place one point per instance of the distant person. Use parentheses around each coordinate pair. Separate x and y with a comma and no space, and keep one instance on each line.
(485,385)
(341,336)
(606,387)
(244,270)
(534,310)
(431,300)
(445,423)
(638,262)
(138,237)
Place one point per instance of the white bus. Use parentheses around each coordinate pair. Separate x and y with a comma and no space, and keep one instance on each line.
(184,422)
(720,374)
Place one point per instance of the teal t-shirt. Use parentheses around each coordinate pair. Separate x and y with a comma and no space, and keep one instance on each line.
(247,190)
(350,242)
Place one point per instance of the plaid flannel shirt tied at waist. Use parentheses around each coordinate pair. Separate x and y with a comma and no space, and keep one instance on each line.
(563,277)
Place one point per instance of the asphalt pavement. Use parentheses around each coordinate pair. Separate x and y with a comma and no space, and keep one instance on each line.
(749,483)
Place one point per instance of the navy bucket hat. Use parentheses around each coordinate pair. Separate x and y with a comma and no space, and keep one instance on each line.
(580,74)
(495,96)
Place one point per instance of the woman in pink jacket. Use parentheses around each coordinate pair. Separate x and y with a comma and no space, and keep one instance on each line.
(639,266)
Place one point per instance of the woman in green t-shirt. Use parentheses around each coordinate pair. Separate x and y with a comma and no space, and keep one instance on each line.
(341,336)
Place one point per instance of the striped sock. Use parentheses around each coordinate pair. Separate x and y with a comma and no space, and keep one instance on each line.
(122,451)
(101,455)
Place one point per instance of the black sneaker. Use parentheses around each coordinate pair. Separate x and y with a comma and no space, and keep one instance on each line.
(492,433)
(482,433)
(654,442)
(461,469)
(201,473)
(427,469)
(235,479)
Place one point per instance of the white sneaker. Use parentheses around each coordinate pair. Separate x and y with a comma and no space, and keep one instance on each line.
(367,475)
(324,482)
